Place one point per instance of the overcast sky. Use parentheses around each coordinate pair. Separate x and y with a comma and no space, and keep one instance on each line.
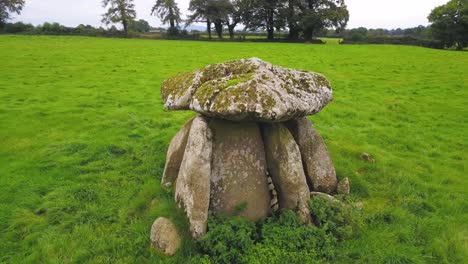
(367,13)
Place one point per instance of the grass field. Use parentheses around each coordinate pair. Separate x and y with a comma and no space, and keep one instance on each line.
(83,138)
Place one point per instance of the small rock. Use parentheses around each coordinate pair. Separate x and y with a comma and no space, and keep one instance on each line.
(275,207)
(274,193)
(324,195)
(359,205)
(164,236)
(271,187)
(269,179)
(274,201)
(367,157)
(343,186)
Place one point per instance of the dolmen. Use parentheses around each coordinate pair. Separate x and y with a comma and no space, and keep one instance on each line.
(251,150)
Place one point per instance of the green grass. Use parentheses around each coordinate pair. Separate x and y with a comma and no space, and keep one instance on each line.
(83,136)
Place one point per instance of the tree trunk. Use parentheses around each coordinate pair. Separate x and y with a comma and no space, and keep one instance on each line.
(270,34)
(171,19)
(208,28)
(125,26)
(270,25)
(231,31)
(293,29)
(219,29)
(293,32)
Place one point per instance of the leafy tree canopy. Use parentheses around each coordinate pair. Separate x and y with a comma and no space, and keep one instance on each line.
(9,6)
(450,23)
(167,11)
(119,11)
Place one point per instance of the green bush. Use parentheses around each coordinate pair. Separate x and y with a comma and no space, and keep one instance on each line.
(282,238)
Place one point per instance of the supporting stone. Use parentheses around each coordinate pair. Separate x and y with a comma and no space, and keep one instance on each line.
(193,182)
(318,165)
(238,174)
(285,167)
(175,154)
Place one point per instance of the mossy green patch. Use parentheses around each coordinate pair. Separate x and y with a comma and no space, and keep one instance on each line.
(238,79)
(177,85)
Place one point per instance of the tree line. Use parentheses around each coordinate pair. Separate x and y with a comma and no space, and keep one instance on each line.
(295,19)
(303,18)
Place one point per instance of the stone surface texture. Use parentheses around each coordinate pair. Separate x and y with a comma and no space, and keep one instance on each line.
(343,186)
(252,151)
(248,89)
(285,167)
(193,182)
(318,165)
(164,236)
(175,154)
(239,171)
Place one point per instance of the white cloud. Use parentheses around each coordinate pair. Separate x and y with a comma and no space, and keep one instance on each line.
(367,13)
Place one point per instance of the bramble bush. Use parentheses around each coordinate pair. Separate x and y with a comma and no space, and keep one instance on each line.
(282,238)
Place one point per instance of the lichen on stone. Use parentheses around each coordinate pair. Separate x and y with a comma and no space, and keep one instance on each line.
(248,90)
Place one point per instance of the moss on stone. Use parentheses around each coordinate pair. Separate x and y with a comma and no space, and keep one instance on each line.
(177,85)
(238,79)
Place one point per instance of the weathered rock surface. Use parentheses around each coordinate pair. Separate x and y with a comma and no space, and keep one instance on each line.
(324,195)
(164,236)
(238,174)
(193,182)
(367,157)
(285,167)
(343,186)
(318,165)
(248,90)
(175,154)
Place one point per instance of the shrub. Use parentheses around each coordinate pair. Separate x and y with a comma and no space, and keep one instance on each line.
(228,239)
(279,239)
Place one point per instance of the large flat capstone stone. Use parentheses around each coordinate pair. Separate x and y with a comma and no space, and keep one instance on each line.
(238,174)
(248,90)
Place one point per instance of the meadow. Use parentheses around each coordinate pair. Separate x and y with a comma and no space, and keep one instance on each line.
(83,139)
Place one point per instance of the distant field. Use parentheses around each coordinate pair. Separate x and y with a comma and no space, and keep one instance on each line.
(83,138)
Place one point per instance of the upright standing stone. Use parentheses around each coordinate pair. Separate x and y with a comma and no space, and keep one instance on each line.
(175,154)
(193,182)
(238,174)
(317,163)
(285,166)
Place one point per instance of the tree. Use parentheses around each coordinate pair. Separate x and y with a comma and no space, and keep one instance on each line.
(7,7)
(238,7)
(200,14)
(141,26)
(218,12)
(212,12)
(264,14)
(317,15)
(450,23)
(120,11)
(167,11)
